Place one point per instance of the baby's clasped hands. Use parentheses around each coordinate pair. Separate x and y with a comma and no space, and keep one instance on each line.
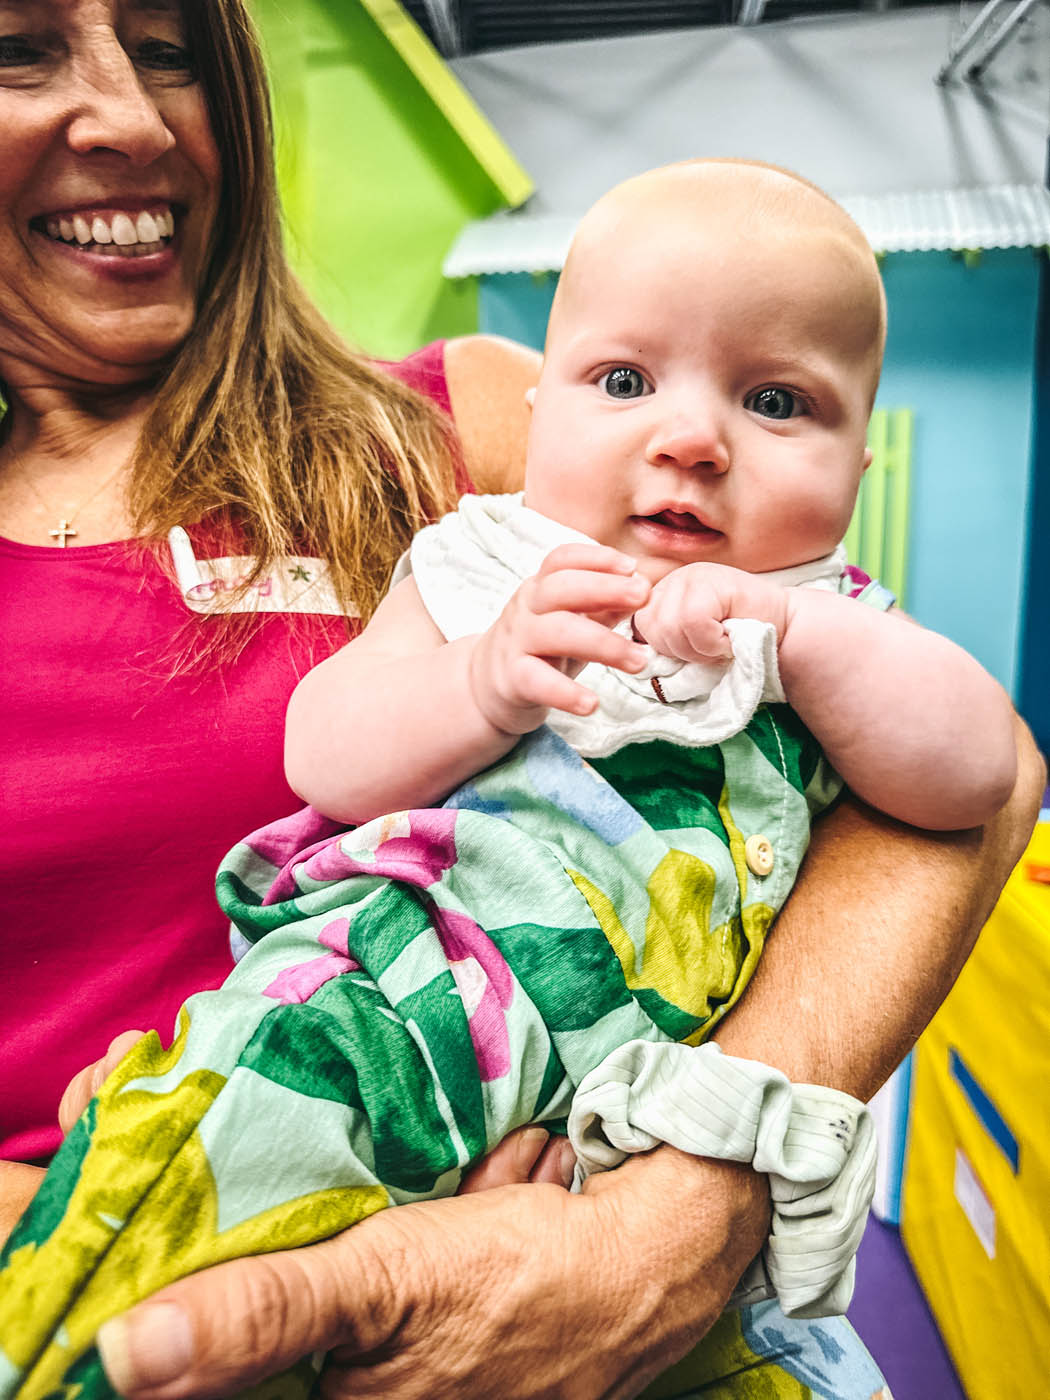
(687,610)
(556,623)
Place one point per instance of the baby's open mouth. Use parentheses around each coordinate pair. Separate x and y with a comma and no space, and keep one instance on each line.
(681,520)
(111,231)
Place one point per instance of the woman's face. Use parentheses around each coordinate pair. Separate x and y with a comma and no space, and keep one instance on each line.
(109,182)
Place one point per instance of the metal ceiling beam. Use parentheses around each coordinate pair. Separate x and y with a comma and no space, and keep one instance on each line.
(1006,31)
(982,37)
(444,21)
(750,11)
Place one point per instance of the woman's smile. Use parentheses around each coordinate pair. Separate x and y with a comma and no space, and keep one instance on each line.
(108,198)
(113,240)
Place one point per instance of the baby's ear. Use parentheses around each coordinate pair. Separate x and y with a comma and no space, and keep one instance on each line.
(866,463)
(530,396)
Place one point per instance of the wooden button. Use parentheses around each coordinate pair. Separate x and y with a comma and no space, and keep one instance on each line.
(758,852)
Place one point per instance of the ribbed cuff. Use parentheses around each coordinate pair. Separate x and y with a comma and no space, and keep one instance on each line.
(816,1145)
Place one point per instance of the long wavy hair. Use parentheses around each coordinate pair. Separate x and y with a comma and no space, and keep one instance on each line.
(266,426)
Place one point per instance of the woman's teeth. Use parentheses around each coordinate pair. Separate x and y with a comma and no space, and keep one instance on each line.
(130,235)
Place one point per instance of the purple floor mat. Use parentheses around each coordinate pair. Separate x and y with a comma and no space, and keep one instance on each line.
(891,1315)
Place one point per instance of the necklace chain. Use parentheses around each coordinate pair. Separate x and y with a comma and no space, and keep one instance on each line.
(64,531)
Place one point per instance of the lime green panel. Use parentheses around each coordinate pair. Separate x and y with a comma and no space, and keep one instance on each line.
(376,183)
(460,109)
(877,538)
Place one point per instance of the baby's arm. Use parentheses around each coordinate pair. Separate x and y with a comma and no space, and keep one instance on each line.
(912,723)
(400,717)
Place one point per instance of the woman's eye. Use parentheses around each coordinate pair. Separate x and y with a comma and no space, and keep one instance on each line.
(775,403)
(18,50)
(163,57)
(623,383)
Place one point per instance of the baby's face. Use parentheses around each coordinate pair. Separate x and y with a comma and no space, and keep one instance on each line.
(704,397)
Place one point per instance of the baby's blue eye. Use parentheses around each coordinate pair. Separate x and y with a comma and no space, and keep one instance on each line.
(623,383)
(775,403)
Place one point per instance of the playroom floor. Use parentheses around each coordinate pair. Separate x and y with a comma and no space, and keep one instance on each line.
(890,1313)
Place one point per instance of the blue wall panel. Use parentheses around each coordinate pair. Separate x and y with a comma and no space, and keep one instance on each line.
(1034,690)
(961,352)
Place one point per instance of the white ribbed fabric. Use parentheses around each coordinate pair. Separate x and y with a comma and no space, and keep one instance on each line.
(816,1145)
(469,564)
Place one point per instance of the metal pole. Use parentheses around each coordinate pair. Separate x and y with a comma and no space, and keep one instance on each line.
(445,22)
(1002,36)
(750,12)
(969,38)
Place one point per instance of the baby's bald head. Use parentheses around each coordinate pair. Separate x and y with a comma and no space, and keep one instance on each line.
(730,211)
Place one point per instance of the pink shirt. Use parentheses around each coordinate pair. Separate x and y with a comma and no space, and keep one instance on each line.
(121,790)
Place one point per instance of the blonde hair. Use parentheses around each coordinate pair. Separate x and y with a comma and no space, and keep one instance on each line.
(266,425)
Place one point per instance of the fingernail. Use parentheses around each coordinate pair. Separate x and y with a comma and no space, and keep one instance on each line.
(566,1163)
(147,1347)
(531,1142)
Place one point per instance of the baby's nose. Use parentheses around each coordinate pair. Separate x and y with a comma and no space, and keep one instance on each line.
(691,438)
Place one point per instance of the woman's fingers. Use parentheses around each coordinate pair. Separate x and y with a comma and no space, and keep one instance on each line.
(528,1154)
(19,1183)
(83,1087)
(217,1332)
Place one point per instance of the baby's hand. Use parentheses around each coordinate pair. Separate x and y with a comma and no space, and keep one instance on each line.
(557,622)
(686,613)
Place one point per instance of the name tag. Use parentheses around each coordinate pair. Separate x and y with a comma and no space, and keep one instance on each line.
(295,584)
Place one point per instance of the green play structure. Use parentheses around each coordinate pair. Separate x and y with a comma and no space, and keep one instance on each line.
(383,157)
(877,538)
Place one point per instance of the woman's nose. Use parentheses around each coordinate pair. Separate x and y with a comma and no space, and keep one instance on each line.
(689,439)
(113,111)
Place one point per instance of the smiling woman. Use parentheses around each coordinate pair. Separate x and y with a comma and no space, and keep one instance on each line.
(161,367)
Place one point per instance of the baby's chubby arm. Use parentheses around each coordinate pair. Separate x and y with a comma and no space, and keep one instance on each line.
(912,723)
(399,717)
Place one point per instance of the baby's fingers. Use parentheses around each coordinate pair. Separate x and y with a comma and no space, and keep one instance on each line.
(572,637)
(607,597)
(687,633)
(592,558)
(540,684)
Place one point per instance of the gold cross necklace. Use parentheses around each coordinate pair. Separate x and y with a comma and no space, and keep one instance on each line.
(64,531)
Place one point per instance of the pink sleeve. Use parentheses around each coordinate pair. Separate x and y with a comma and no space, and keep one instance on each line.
(424,371)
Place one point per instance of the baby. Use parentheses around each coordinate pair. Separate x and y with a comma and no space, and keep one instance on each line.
(602,718)
(710,367)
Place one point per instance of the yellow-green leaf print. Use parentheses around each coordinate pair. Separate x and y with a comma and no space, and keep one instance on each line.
(675,959)
(143,1212)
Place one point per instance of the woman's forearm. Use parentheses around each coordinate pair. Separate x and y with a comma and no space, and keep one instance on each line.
(875,933)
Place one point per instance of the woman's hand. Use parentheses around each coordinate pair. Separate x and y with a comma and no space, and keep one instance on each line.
(19,1183)
(557,622)
(83,1087)
(515,1292)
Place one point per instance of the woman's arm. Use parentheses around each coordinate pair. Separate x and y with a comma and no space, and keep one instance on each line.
(873,936)
(490,1294)
(487,380)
